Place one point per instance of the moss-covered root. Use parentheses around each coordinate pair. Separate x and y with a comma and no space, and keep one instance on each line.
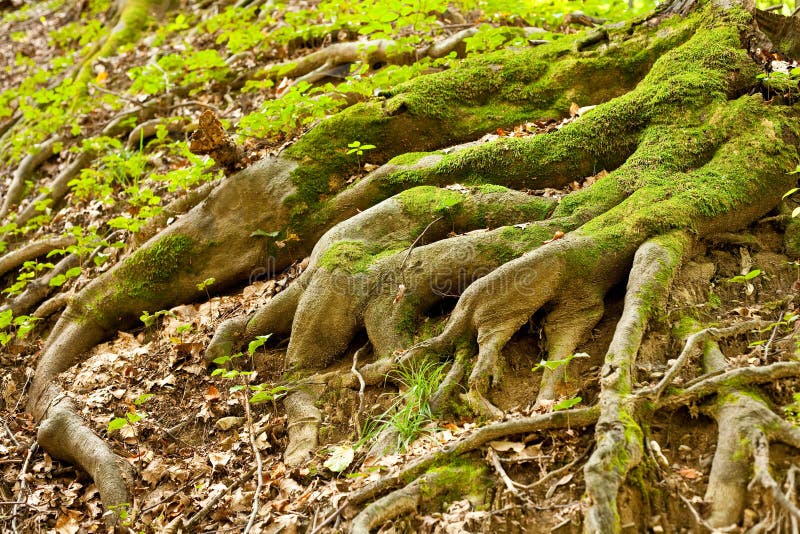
(619,438)
(565,327)
(131,19)
(341,285)
(745,422)
(431,489)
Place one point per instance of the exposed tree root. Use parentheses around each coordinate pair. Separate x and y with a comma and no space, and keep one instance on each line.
(37,290)
(27,166)
(396,244)
(30,251)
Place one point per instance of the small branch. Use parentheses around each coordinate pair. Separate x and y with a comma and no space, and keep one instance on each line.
(510,484)
(741,375)
(22,484)
(405,259)
(567,418)
(189,524)
(762,476)
(361,386)
(330,518)
(689,347)
(772,336)
(259,466)
(10,433)
(697,518)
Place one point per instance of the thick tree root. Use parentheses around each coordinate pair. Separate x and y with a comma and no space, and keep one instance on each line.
(674,146)
(618,435)
(33,250)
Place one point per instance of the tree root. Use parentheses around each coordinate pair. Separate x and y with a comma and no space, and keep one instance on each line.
(27,166)
(574,418)
(38,290)
(618,436)
(35,249)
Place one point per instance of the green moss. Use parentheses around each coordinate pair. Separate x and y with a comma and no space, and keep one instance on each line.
(143,275)
(425,201)
(492,188)
(353,256)
(409,159)
(455,480)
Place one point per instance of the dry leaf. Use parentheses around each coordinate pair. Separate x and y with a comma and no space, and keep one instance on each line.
(504,446)
(689,473)
(212,393)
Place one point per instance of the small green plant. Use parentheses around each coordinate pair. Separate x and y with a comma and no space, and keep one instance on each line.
(8,324)
(566,404)
(133,415)
(410,412)
(149,320)
(745,280)
(205,284)
(258,392)
(552,365)
(358,149)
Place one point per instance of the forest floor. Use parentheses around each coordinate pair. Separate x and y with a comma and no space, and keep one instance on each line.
(192,439)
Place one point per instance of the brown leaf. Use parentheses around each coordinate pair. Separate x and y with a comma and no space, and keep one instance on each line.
(574,109)
(212,393)
(689,473)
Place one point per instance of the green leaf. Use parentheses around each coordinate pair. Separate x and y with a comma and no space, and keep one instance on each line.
(790,192)
(141,399)
(254,345)
(221,360)
(567,403)
(116,424)
(57,281)
(134,417)
(5,318)
(205,283)
(752,274)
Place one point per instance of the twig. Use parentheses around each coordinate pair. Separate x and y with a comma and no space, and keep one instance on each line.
(113,93)
(555,473)
(403,264)
(257,454)
(10,434)
(22,483)
(170,496)
(699,520)
(361,386)
(691,343)
(330,518)
(200,515)
(510,484)
(772,336)
(762,476)
(575,417)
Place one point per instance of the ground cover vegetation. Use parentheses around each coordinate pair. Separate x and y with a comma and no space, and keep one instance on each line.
(419,266)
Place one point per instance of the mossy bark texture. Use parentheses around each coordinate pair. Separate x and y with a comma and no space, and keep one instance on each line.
(674,125)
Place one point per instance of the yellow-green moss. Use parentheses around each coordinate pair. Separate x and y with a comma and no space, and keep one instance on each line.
(353,256)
